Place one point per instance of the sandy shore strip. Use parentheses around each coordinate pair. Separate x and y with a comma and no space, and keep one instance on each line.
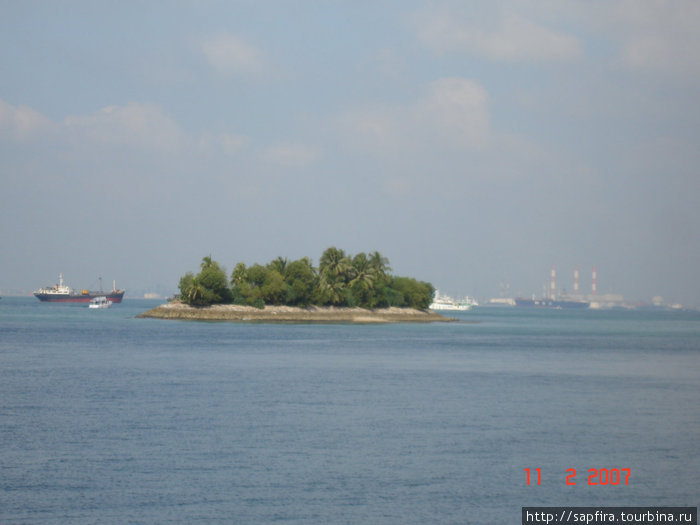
(290,314)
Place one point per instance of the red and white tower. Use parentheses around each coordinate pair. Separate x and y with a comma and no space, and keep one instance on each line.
(553,285)
(576,280)
(594,283)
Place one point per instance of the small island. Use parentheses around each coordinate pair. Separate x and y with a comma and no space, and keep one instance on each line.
(343,288)
(293,314)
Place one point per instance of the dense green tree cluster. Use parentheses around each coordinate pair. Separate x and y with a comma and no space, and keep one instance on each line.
(340,280)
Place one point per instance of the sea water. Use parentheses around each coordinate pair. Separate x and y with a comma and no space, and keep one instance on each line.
(106,418)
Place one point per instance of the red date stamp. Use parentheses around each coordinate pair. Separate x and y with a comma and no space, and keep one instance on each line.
(596,476)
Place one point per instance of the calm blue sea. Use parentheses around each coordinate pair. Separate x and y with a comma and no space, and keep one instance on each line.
(105,418)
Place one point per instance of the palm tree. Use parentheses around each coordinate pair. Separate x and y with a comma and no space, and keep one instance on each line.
(280,265)
(363,274)
(207,262)
(334,263)
(196,292)
(379,263)
(331,291)
(238,275)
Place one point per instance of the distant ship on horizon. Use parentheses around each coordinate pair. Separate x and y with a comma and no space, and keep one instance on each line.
(551,303)
(558,301)
(61,293)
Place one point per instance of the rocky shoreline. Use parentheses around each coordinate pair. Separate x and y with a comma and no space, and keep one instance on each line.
(289,314)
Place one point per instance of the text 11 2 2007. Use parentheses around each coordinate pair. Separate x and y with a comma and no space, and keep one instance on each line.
(596,476)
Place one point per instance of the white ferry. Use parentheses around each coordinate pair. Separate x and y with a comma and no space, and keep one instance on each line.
(445,302)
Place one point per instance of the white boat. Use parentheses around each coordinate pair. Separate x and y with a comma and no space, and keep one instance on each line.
(445,302)
(99,302)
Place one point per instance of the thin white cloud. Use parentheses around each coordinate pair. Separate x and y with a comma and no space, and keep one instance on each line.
(22,123)
(140,128)
(457,110)
(232,143)
(292,155)
(514,38)
(229,144)
(137,125)
(453,114)
(229,53)
(660,35)
(650,35)
(376,129)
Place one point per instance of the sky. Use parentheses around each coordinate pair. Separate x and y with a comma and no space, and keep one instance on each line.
(474,143)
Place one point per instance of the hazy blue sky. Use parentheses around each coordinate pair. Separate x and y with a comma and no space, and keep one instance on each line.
(472,143)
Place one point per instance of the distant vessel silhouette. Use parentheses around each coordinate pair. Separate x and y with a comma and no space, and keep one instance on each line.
(61,293)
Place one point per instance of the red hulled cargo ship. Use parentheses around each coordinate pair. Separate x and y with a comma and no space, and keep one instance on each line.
(60,293)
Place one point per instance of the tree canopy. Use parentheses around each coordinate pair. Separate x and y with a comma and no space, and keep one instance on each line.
(340,280)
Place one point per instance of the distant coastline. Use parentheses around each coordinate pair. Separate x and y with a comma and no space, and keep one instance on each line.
(290,314)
